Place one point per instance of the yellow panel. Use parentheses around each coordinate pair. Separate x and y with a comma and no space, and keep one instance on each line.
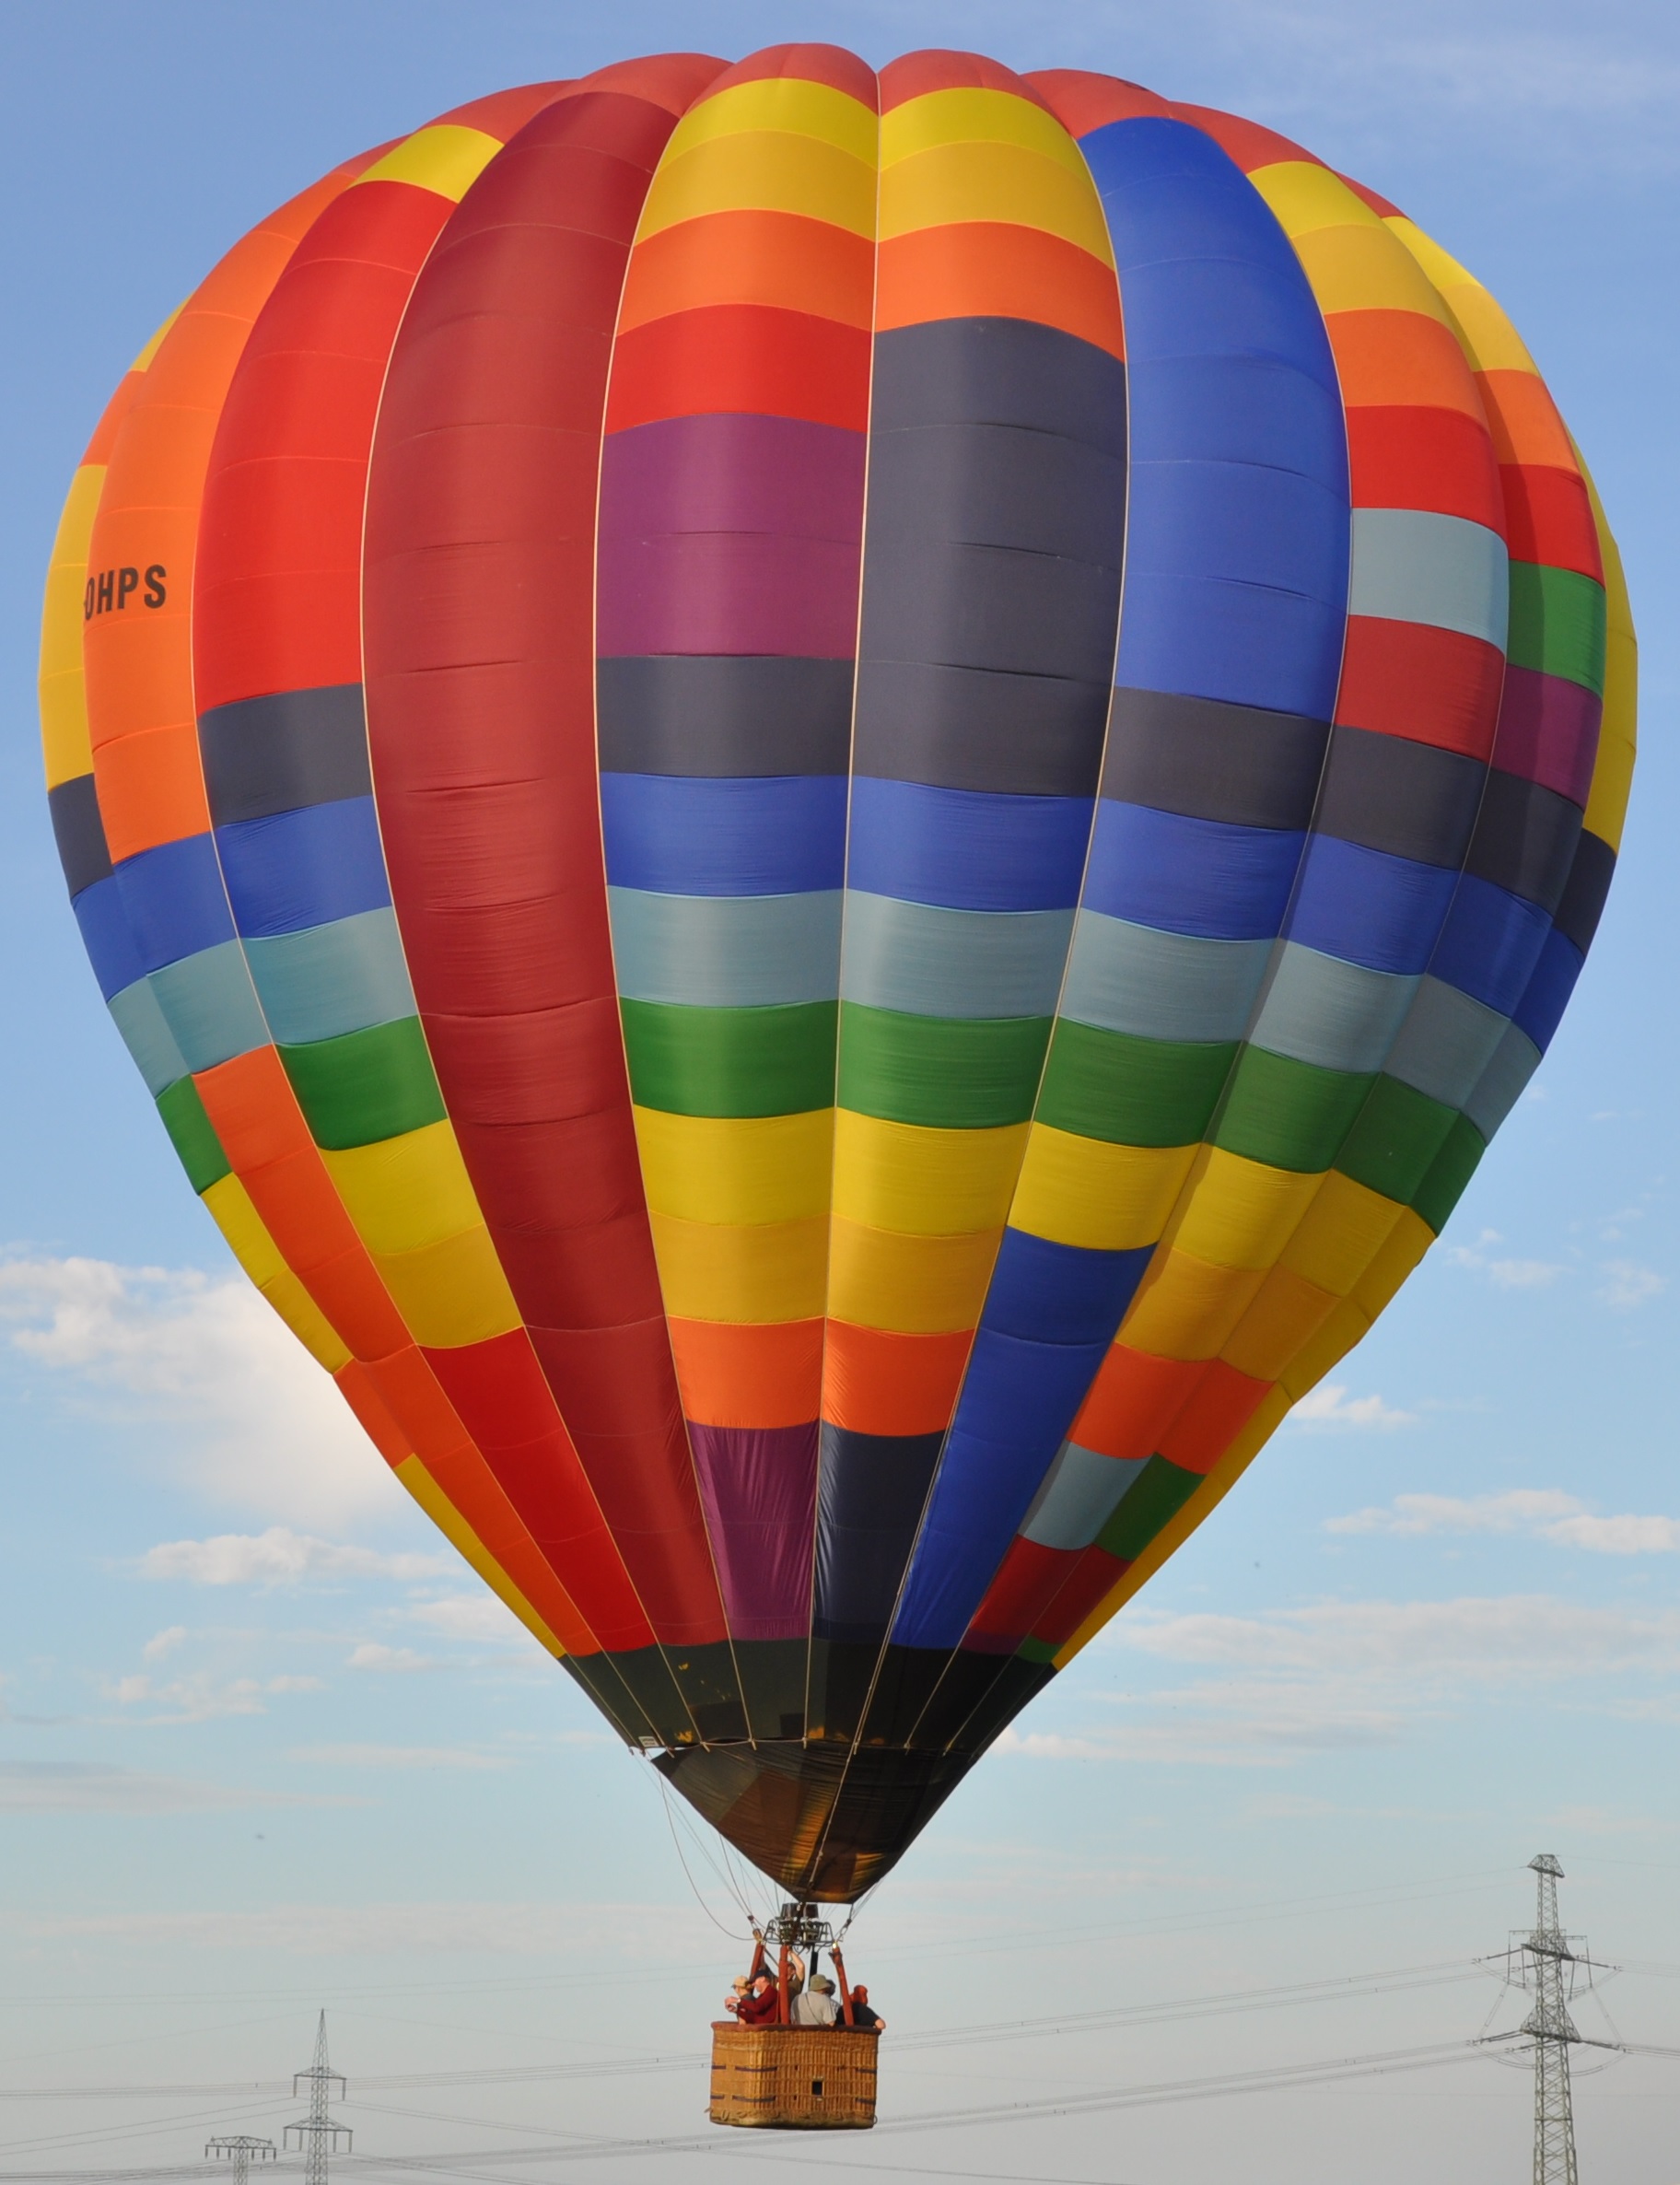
(969,115)
(1492,342)
(931,1183)
(1172,1537)
(1327,1346)
(785,103)
(471,1549)
(1304,196)
(64,698)
(989,182)
(1186,1308)
(737,1168)
(446,160)
(230,1208)
(1341,1233)
(1084,1191)
(1240,1212)
(1350,272)
(763,172)
(1284,1313)
(408,1192)
(1407,1243)
(759,1271)
(450,1294)
(917,1285)
(1612,769)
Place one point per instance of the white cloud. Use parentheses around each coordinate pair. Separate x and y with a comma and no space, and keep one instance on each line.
(386,1659)
(1505,1274)
(1545,1512)
(253,1421)
(279,1556)
(83,1786)
(395,1756)
(200,1698)
(1627,1285)
(1329,1409)
(163,1643)
(478,1617)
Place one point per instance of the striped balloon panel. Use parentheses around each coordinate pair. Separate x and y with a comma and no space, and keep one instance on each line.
(992,569)
(729,541)
(170,961)
(481,680)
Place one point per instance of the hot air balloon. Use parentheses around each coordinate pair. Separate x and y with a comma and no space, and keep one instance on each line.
(830,809)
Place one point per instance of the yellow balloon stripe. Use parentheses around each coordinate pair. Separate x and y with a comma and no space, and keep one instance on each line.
(445,158)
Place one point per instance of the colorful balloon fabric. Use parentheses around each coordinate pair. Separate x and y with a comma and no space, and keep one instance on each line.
(830,810)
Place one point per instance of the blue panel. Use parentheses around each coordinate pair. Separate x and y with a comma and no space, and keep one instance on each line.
(1490,945)
(293,870)
(969,849)
(1548,990)
(1237,536)
(1195,876)
(691,834)
(106,937)
(331,980)
(174,900)
(1368,907)
(1058,1294)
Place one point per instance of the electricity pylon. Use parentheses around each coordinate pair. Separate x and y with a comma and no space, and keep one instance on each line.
(317,2134)
(242,2150)
(1549,1963)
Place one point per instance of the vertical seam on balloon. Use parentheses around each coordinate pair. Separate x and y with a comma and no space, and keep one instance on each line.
(1056,1013)
(694,1470)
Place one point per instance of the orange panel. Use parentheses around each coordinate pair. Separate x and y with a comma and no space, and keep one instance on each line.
(255,1111)
(1400,357)
(751,257)
(1222,1404)
(981,269)
(373,1414)
(151,788)
(463,1477)
(410,1389)
(743,1374)
(1523,420)
(879,1382)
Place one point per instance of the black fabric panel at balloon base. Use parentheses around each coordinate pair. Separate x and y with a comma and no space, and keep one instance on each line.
(706,1677)
(773,1677)
(635,1679)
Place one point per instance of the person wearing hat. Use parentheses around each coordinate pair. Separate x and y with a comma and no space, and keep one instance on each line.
(864,2018)
(816,2005)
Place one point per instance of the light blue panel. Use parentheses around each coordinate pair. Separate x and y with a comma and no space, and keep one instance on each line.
(1339,1015)
(932,962)
(1446,1043)
(1080,1493)
(146,1036)
(1161,986)
(331,980)
(1514,1062)
(210,1006)
(1411,566)
(725,951)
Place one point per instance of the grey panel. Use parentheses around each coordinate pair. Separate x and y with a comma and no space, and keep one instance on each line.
(725,951)
(1406,799)
(1514,1062)
(146,1036)
(933,962)
(1525,837)
(210,1006)
(1338,1015)
(79,833)
(967,727)
(1080,1492)
(1409,566)
(331,980)
(1446,1043)
(1161,986)
(723,715)
(1241,765)
(284,750)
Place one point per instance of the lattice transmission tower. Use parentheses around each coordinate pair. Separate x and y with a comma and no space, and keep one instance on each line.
(242,2150)
(317,2134)
(1548,1972)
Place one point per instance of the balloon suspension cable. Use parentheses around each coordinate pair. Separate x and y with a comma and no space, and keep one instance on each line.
(694,1886)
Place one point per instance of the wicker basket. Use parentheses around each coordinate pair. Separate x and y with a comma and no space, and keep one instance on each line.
(799,2077)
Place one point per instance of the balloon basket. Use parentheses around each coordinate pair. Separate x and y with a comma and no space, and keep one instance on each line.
(793,2078)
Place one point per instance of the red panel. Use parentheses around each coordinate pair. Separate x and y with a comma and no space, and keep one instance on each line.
(830,64)
(1409,457)
(741,357)
(1081,101)
(504,113)
(1249,143)
(1430,685)
(1380,206)
(914,74)
(1549,519)
(1093,1577)
(1220,1407)
(484,773)
(1133,1400)
(1028,1580)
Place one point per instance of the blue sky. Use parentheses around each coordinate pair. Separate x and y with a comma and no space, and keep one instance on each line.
(264,1747)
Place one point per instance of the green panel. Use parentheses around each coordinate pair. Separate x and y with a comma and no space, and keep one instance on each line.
(1288,1113)
(1159,1492)
(1132,1091)
(1037,1650)
(1558,623)
(192,1134)
(945,1073)
(1398,1133)
(730,1061)
(1448,1173)
(366,1086)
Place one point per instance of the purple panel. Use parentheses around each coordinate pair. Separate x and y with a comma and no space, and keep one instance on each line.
(759,1485)
(1548,731)
(730,534)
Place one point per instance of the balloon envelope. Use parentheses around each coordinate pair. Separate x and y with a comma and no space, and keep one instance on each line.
(832,810)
